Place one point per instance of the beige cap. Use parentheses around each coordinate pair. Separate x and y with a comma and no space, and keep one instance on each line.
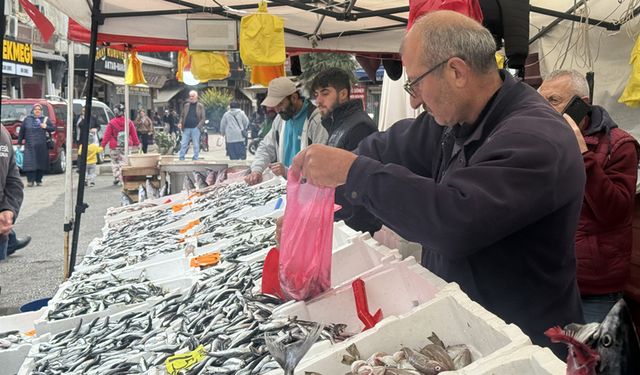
(279,88)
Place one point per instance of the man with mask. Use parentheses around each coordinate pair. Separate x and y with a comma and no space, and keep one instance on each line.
(296,126)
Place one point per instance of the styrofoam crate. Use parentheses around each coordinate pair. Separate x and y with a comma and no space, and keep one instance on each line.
(43,325)
(273,208)
(530,360)
(396,288)
(342,233)
(160,271)
(391,239)
(11,359)
(450,314)
(22,322)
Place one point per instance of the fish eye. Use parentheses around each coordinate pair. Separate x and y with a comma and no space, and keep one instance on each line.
(606,340)
(437,368)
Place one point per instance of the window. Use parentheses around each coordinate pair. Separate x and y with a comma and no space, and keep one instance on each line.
(17,112)
(61,113)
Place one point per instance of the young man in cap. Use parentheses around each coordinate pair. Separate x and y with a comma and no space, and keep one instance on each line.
(297,125)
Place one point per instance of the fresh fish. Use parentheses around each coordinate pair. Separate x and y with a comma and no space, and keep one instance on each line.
(187,184)
(421,363)
(609,348)
(200,180)
(288,356)
(211,177)
(142,194)
(125,200)
(152,192)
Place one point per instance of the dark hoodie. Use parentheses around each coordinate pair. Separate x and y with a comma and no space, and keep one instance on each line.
(348,124)
(115,126)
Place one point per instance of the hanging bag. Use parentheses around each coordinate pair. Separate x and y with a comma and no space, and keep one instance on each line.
(262,38)
(307,232)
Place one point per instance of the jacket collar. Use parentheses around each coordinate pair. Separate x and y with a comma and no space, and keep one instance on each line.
(343,110)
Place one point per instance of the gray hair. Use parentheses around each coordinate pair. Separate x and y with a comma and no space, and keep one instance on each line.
(579,84)
(462,37)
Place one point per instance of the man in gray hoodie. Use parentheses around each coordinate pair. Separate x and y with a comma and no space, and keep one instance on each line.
(233,127)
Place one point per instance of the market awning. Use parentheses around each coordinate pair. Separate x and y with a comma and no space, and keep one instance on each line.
(118,81)
(167,94)
(45,56)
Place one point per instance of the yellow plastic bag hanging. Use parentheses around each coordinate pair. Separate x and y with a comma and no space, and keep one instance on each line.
(209,66)
(262,38)
(264,74)
(134,74)
(500,60)
(631,94)
(183,62)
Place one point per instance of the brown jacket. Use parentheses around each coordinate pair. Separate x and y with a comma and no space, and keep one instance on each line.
(144,125)
(199,113)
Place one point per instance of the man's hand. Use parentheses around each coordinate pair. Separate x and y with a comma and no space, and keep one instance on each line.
(323,165)
(253,178)
(576,131)
(279,222)
(180,126)
(6,222)
(278,169)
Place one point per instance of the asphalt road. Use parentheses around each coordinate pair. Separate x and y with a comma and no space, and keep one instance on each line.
(36,271)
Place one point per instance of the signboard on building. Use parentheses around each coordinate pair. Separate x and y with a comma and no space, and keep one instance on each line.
(17,58)
(358,92)
(110,61)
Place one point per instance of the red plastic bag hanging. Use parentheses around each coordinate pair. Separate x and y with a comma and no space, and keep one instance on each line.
(307,234)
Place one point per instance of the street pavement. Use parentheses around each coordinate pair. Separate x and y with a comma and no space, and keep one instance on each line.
(37,270)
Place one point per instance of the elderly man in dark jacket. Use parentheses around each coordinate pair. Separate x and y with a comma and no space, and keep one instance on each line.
(11,193)
(489,180)
(604,236)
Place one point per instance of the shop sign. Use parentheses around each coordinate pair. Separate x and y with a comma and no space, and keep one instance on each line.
(17,58)
(358,93)
(134,90)
(110,60)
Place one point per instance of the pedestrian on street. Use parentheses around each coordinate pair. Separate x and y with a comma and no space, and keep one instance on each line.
(192,121)
(92,158)
(12,190)
(233,127)
(144,127)
(114,137)
(35,132)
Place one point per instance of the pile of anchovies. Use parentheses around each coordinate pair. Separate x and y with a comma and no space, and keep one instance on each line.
(219,312)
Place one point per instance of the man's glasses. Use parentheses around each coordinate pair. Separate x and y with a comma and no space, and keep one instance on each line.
(410,85)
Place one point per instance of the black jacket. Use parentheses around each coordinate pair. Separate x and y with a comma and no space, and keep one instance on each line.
(509,20)
(11,193)
(501,220)
(348,124)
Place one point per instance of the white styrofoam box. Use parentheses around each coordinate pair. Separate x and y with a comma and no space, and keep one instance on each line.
(160,271)
(396,288)
(342,233)
(273,208)
(22,322)
(11,359)
(360,255)
(450,314)
(531,360)
(43,325)
(391,239)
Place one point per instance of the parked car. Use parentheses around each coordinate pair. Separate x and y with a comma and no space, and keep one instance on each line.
(15,110)
(103,115)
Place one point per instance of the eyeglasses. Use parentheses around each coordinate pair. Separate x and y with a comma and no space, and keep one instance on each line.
(410,85)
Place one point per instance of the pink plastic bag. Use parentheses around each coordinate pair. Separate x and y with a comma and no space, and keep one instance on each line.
(307,235)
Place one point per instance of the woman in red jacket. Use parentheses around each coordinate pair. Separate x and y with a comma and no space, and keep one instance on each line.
(114,138)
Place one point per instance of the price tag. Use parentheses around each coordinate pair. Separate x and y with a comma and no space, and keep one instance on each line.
(178,362)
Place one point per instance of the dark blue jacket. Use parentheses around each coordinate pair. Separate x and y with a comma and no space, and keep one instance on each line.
(36,152)
(500,220)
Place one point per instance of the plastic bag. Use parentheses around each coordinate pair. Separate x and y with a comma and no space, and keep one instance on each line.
(134,75)
(307,234)
(19,155)
(262,38)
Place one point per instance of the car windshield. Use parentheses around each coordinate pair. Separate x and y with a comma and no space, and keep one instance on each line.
(17,112)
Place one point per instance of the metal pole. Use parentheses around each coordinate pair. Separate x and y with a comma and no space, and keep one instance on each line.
(68,173)
(96,18)
(126,118)
(2,36)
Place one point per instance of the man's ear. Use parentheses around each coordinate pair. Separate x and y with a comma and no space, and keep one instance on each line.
(343,95)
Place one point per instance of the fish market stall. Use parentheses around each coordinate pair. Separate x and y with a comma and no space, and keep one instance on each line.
(176,286)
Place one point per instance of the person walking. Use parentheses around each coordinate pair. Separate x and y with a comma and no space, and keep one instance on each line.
(34,132)
(144,127)
(92,158)
(114,137)
(191,122)
(233,127)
